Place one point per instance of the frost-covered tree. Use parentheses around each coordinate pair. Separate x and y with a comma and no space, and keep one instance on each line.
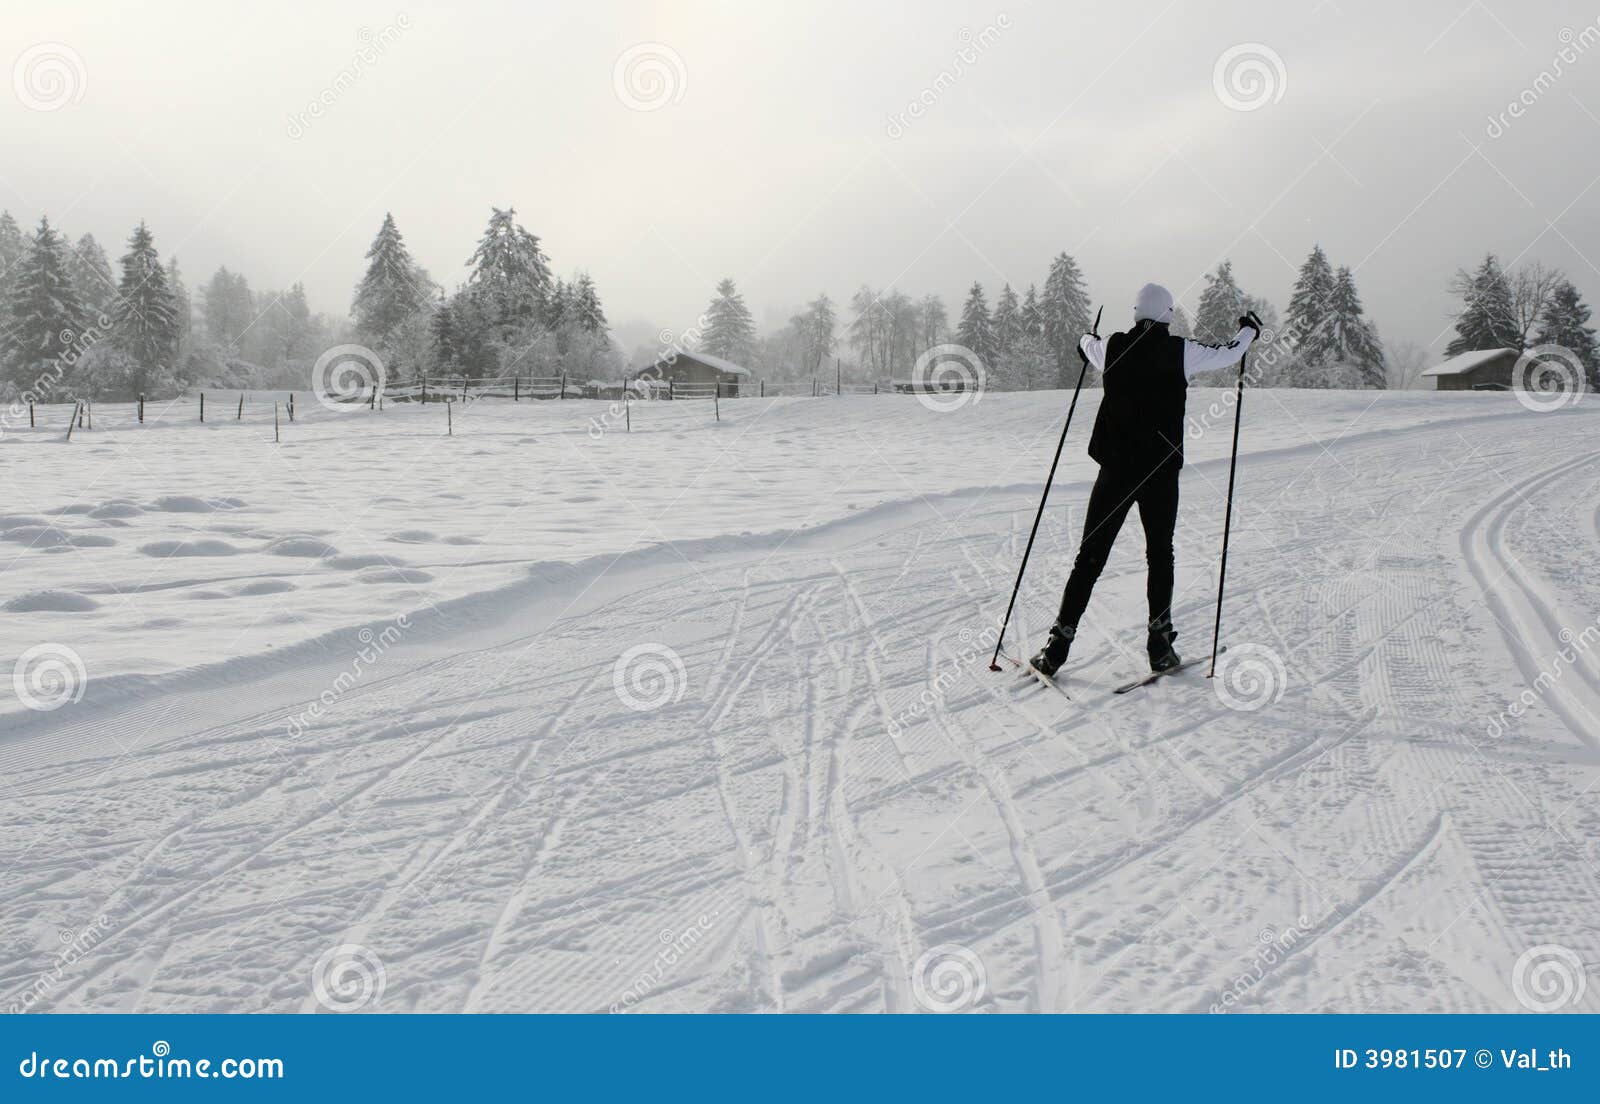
(510,276)
(145,313)
(1352,338)
(1488,315)
(47,318)
(1064,308)
(975,331)
(586,309)
(91,276)
(730,331)
(393,288)
(228,308)
(1007,320)
(1565,322)
(933,323)
(1310,306)
(1221,305)
(814,333)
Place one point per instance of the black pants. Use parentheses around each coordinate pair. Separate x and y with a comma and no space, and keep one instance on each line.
(1115,493)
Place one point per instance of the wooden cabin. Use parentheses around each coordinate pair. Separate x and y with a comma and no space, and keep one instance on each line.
(1479,370)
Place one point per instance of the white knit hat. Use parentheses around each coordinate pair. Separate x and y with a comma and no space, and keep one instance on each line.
(1154,303)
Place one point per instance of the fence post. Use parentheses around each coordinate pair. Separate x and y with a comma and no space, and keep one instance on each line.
(463,388)
(838,378)
(72,421)
(91,414)
(763,389)
(276,436)
(449,418)
(716,402)
(30,415)
(291,406)
(202,406)
(240,415)
(563,385)
(141,410)
(627,408)
(424,389)
(670,392)
(516,388)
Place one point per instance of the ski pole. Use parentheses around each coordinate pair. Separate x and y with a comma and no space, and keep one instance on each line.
(994,660)
(1227,515)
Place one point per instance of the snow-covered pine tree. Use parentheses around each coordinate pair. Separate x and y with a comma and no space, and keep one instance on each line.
(145,314)
(46,316)
(1310,306)
(393,288)
(1007,320)
(975,331)
(13,247)
(1353,340)
(730,331)
(1565,323)
(1487,319)
(1064,307)
(1031,317)
(556,304)
(228,308)
(510,276)
(586,308)
(91,277)
(1221,306)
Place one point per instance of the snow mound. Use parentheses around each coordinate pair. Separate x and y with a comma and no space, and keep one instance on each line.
(302,546)
(51,601)
(168,548)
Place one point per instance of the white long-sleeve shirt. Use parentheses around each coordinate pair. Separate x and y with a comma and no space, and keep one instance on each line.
(1198,357)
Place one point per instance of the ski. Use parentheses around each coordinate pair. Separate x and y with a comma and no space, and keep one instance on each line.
(1028,670)
(1153,675)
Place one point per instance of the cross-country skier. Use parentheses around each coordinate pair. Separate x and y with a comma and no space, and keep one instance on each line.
(1138,443)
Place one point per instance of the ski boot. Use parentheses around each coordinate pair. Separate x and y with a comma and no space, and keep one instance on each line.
(1159,645)
(1054,652)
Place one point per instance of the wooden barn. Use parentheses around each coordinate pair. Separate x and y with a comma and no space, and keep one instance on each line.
(1480,370)
(701,369)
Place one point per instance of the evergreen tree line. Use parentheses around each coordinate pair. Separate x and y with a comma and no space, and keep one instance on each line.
(510,316)
(70,328)
(1528,306)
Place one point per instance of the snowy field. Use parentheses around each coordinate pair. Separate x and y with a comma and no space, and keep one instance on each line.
(548,715)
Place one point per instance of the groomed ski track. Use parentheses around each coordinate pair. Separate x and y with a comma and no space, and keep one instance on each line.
(837,788)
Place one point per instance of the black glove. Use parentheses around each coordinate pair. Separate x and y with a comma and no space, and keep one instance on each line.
(1249,321)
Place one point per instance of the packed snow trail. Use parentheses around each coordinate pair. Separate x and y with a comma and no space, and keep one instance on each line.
(832,794)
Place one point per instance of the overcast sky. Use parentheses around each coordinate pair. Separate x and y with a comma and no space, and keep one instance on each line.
(776,145)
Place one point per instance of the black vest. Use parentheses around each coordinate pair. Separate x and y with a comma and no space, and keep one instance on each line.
(1140,425)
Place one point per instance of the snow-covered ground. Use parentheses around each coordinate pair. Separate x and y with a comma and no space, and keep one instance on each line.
(547,715)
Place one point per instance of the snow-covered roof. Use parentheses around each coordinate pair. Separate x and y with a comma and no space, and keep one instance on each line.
(711,362)
(1466,362)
